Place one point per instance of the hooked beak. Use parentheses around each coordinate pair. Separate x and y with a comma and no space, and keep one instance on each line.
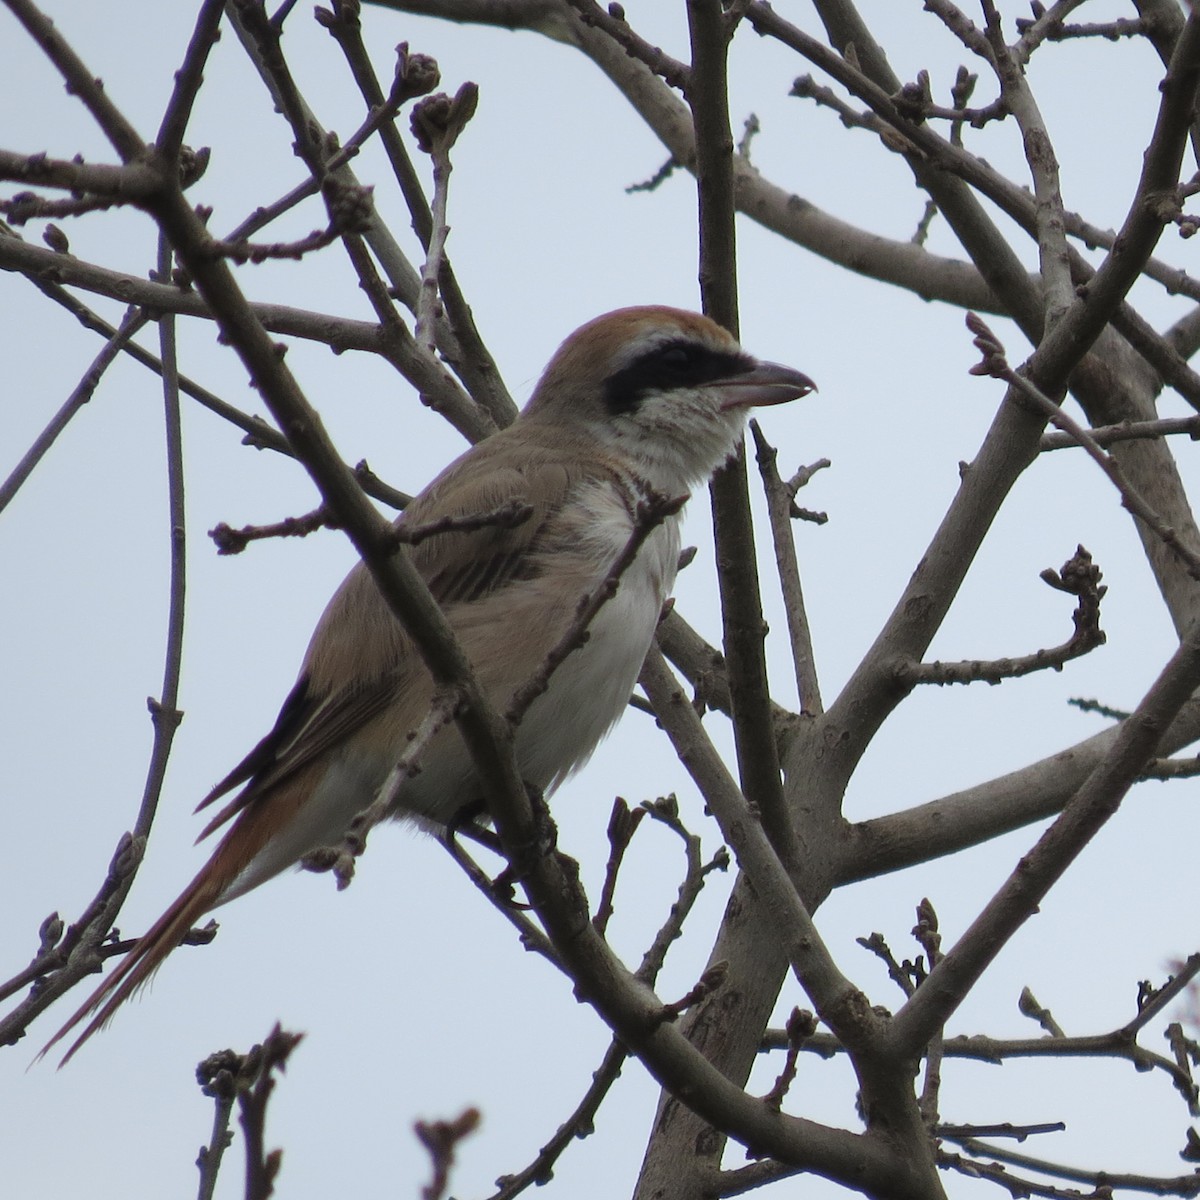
(765,383)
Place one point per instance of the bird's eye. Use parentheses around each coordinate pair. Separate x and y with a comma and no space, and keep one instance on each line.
(676,358)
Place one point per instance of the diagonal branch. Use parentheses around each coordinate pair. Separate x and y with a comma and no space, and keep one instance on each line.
(188,79)
(79,80)
(1087,812)
(994,364)
(80,395)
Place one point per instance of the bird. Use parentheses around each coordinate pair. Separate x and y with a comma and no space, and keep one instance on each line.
(643,401)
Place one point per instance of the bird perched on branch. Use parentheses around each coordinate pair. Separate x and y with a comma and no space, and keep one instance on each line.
(635,408)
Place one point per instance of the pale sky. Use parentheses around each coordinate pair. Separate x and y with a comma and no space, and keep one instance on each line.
(415,998)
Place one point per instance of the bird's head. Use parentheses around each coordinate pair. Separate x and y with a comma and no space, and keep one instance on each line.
(667,388)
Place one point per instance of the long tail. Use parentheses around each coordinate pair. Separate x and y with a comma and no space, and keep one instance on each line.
(262,817)
(144,959)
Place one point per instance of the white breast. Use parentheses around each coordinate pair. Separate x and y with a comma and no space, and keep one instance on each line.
(591,689)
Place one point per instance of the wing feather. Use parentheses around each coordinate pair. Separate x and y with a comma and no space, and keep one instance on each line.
(291,717)
(360,659)
(327,726)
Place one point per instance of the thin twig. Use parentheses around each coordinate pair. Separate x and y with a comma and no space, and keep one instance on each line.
(652,510)
(80,395)
(1125,431)
(461,345)
(780,502)
(82,83)
(801,1025)
(165,712)
(665,811)
(579,1124)
(926,933)
(504,516)
(532,938)
(79,953)
(234,541)
(188,78)
(254,1093)
(1172,768)
(244,251)
(1079,577)
(743,627)
(1111,1181)
(995,364)
(1175,985)
(265,214)
(441,1139)
(1028,1006)
(218,1079)
(622,825)
(1050,220)
(340,859)
(1045,24)
(903,974)
(437,122)
(613,23)
(79,950)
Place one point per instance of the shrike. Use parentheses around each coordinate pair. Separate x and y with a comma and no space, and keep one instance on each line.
(642,400)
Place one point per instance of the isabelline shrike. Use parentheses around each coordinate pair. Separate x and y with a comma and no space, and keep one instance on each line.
(641,400)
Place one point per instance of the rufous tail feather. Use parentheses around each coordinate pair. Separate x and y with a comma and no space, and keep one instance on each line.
(253,829)
(262,815)
(143,960)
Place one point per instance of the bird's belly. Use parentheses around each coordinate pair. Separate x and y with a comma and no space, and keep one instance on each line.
(587,694)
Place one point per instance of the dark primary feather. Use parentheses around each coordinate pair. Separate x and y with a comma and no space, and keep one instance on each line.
(291,717)
(281,754)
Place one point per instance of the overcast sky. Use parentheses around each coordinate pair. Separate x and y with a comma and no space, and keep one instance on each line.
(415,998)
